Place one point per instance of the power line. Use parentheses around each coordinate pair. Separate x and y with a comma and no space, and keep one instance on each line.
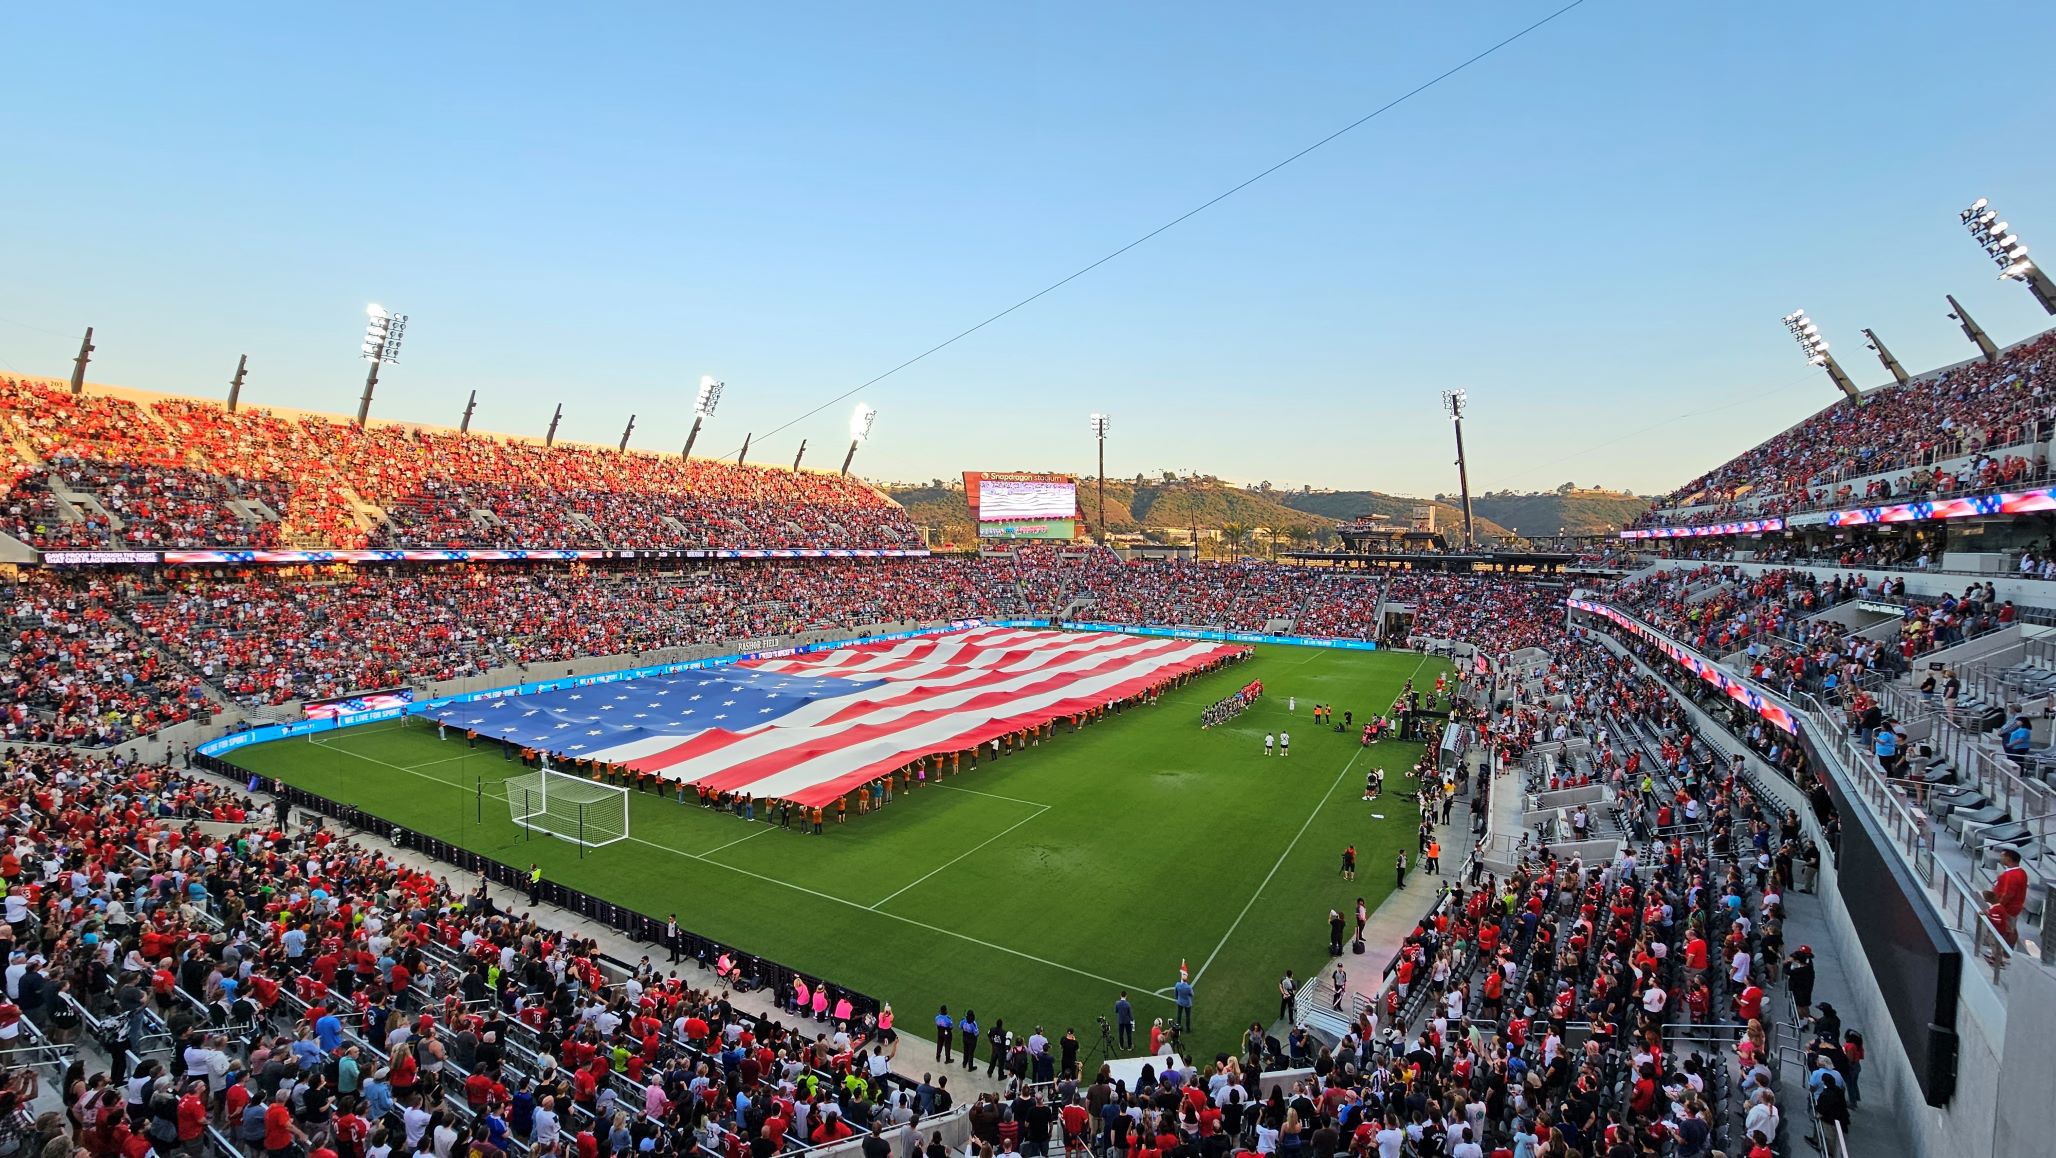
(1388,106)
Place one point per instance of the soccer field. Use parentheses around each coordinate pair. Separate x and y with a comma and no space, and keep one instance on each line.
(1032,889)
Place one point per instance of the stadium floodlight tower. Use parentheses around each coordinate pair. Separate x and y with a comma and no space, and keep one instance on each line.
(702,409)
(1099,431)
(1884,354)
(2007,252)
(382,334)
(860,429)
(1454,401)
(1815,348)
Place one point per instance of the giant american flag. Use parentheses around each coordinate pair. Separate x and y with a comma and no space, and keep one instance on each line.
(811,727)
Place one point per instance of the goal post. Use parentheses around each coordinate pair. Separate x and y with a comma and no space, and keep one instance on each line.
(585,812)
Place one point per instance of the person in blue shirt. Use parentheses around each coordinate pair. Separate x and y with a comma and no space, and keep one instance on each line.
(967,1029)
(378,1096)
(1124,1020)
(943,1032)
(2020,738)
(1887,750)
(329,1030)
(1182,994)
(308,1053)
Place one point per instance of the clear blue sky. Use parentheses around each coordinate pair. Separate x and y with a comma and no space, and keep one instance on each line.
(1594,231)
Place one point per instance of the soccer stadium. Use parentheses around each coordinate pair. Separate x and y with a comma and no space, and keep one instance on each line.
(464,732)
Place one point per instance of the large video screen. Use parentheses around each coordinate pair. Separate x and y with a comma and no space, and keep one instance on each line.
(1006,498)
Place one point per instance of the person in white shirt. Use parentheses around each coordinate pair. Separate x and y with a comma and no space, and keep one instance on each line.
(546,1129)
(1268,741)
(1389,1140)
(1763,1115)
(1284,743)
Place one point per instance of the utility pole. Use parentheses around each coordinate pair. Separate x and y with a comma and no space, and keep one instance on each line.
(235,384)
(1099,431)
(1885,356)
(1957,314)
(744,452)
(550,439)
(624,434)
(1453,401)
(797,457)
(464,425)
(78,364)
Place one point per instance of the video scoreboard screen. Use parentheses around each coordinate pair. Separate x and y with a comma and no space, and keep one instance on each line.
(1015,505)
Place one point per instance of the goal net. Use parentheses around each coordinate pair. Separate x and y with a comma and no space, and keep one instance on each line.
(568,807)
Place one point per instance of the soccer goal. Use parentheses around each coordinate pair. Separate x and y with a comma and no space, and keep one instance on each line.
(584,812)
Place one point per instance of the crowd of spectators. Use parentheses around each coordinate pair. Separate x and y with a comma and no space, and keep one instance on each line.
(1980,409)
(1512,613)
(294,991)
(98,658)
(166,472)
(268,636)
(325,995)
(74,675)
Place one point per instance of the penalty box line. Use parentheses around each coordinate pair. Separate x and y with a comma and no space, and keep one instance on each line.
(704,858)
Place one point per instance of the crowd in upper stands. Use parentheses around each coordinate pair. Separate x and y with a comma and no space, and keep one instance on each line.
(1979,409)
(178,473)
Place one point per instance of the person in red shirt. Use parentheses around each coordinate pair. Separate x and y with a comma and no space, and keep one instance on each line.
(192,1113)
(2009,895)
(279,1131)
(1749,1003)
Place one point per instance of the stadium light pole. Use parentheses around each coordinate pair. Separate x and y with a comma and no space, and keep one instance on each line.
(550,436)
(2007,252)
(1099,431)
(1877,344)
(78,364)
(860,429)
(625,433)
(235,384)
(1453,401)
(464,424)
(1972,330)
(1815,348)
(703,409)
(382,334)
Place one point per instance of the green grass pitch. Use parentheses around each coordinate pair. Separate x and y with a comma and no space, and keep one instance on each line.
(1032,889)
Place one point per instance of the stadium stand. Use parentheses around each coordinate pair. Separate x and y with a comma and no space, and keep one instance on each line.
(121,473)
(1993,413)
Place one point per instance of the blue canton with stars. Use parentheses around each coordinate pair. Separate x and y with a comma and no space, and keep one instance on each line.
(584,720)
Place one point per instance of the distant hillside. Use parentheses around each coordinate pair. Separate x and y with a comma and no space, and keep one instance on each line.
(1576,513)
(1339,505)
(1500,513)
(1131,506)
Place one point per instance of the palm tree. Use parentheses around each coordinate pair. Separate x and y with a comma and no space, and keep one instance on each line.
(1234,535)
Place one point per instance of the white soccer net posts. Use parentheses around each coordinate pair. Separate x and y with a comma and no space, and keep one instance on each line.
(584,812)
